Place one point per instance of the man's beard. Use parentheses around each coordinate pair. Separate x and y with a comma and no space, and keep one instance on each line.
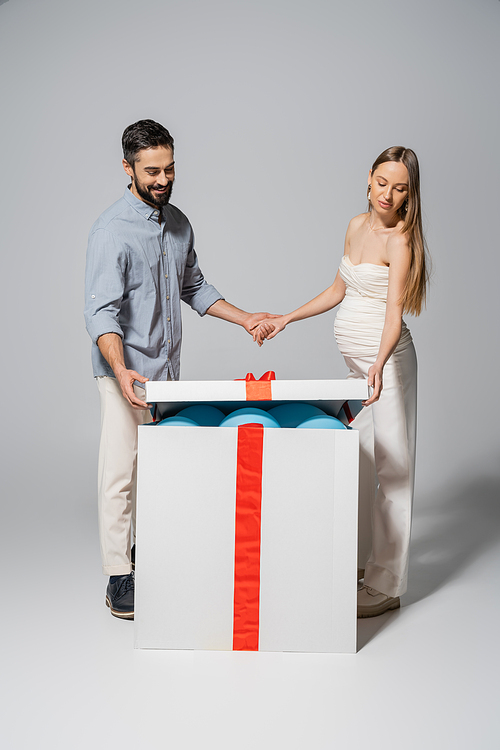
(147,195)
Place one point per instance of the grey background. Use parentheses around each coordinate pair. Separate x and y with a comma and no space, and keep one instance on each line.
(278,108)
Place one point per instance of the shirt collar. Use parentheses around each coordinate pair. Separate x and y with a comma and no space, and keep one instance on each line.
(142,208)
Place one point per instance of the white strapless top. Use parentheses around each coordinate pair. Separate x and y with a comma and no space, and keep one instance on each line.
(361,315)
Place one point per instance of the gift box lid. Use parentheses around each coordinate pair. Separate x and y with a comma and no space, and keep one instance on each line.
(170,396)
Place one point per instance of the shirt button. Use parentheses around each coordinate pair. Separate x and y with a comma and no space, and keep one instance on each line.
(93,297)
(168,320)
(168,297)
(156,213)
(168,342)
(164,253)
(166,276)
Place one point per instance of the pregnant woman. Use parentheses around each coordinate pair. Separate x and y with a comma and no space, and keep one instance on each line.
(382,275)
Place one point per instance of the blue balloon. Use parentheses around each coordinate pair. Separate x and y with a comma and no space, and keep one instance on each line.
(203,414)
(322,423)
(177,422)
(291,415)
(249,415)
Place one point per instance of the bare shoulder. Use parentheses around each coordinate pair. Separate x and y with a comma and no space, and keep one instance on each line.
(397,240)
(355,223)
(398,246)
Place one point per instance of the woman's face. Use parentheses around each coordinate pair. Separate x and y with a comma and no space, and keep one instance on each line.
(389,187)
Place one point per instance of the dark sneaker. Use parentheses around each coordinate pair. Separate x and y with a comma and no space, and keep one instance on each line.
(120,596)
(132,556)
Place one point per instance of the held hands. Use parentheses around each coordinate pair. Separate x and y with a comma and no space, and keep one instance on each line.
(253,322)
(268,329)
(375,381)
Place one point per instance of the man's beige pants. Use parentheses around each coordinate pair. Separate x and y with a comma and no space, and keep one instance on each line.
(117,476)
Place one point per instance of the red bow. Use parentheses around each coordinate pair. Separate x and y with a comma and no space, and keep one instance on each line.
(250,377)
(259,390)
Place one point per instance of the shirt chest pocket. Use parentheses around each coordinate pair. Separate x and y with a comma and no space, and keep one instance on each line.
(179,255)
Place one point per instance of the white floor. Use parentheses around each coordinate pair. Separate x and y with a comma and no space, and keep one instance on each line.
(425,676)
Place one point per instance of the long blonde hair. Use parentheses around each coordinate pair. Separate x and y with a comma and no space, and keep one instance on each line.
(415,290)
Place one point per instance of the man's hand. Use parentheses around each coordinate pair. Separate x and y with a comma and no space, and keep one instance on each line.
(111,348)
(249,321)
(126,380)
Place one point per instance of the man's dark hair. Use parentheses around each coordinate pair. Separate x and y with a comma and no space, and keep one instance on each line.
(144,134)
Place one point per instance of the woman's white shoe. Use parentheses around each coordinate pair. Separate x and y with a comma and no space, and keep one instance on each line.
(372,603)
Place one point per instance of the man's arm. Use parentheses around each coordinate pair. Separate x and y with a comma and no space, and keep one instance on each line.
(104,284)
(226,311)
(111,348)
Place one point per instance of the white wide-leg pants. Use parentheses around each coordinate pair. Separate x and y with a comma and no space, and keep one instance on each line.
(387,432)
(117,474)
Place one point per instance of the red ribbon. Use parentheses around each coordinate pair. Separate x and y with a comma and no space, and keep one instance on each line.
(347,411)
(247,538)
(259,390)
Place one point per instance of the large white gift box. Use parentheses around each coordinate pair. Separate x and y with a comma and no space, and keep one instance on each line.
(247,536)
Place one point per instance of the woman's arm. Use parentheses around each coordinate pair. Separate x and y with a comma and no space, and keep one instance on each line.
(398,253)
(325,301)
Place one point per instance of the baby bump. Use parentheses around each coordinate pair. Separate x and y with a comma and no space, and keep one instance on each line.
(359,325)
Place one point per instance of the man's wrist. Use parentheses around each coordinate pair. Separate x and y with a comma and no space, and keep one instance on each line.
(226,311)
(245,319)
(240,317)
(119,369)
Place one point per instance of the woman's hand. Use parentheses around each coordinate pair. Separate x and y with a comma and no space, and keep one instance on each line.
(268,329)
(375,381)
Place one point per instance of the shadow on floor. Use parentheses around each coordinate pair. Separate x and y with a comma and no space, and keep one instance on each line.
(450,531)
(368,627)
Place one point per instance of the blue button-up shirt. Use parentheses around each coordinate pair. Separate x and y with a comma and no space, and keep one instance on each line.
(138,271)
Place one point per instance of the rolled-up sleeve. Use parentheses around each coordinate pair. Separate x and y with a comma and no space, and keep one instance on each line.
(104,283)
(195,290)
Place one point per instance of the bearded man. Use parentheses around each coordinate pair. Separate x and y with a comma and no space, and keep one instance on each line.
(141,263)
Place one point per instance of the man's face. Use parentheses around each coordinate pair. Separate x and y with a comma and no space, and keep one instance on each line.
(153,175)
